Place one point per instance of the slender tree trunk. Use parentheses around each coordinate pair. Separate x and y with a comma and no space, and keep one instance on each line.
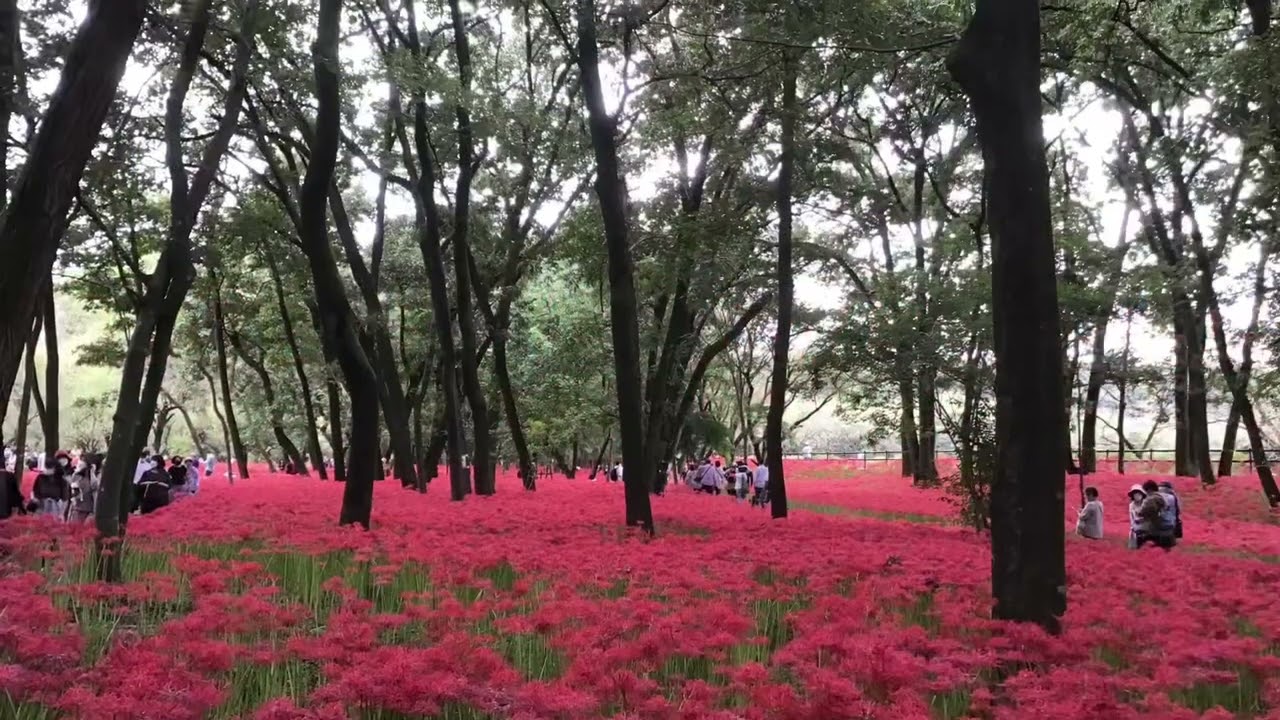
(52,403)
(28,388)
(299,368)
(236,452)
(502,376)
(786,292)
(31,230)
(337,319)
(624,324)
(196,442)
(335,429)
(1239,391)
(1123,387)
(1227,458)
(1092,393)
(290,450)
(222,420)
(160,430)
(997,64)
(11,58)
(1198,400)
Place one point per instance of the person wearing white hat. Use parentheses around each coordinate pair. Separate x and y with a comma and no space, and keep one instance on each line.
(1136,496)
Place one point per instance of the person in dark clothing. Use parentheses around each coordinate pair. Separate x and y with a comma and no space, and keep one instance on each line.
(177,472)
(152,491)
(52,489)
(10,495)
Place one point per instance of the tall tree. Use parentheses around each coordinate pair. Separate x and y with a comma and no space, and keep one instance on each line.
(786,288)
(997,64)
(32,225)
(611,192)
(337,321)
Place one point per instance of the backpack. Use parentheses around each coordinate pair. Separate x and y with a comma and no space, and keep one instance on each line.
(48,486)
(1153,510)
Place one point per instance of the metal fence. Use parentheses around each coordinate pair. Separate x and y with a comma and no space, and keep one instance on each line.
(1105,456)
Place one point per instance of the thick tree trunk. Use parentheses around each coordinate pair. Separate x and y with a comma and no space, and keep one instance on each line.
(336,317)
(997,63)
(786,292)
(52,403)
(236,453)
(482,458)
(299,368)
(1197,397)
(926,466)
(31,228)
(611,191)
(1183,463)
(909,440)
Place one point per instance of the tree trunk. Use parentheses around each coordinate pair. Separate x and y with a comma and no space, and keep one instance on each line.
(1183,464)
(222,420)
(196,440)
(28,387)
(236,453)
(611,191)
(31,229)
(336,446)
(1227,458)
(1092,393)
(259,368)
(482,458)
(997,64)
(909,440)
(926,467)
(11,60)
(1123,383)
(337,319)
(160,430)
(502,376)
(1239,390)
(786,292)
(299,368)
(52,441)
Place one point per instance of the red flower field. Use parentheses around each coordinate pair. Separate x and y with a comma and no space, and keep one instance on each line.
(869,602)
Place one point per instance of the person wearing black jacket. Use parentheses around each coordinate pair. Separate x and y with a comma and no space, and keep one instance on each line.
(152,491)
(10,495)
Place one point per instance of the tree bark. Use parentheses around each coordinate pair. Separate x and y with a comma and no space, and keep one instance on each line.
(337,319)
(1092,393)
(909,439)
(611,192)
(52,403)
(1122,406)
(196,440)
(336,446)
(482,458)
(786,291)
(997,64)
(28,389)
(10,64)
(222,420)
(299,368)
(236,452)
(1227,458)
(166,288)
(259,368)
(31,228)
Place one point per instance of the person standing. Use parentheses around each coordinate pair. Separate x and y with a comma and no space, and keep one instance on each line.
(84,487)
(1173,509)
(10,496)
(1089,519)
(761,483)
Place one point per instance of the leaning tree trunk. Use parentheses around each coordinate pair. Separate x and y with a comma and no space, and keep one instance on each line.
(299,368)
(502,375)
(290,450)
(337,319)
(786,292)
(611,191)
(236,453)
(28,389)
(997,64)
(52,441)
(1246,362)
(1092,393)
(31,229)
(217,412)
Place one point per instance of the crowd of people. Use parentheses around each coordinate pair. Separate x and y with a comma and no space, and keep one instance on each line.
(736,479)
(1155,515)
(68,488)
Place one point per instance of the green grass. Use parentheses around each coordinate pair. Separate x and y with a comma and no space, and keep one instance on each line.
(1242,698)
(951,705)
(532,656)
(841,511)
(12,710)
(251,685)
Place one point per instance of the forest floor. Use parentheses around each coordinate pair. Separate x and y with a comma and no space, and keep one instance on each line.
(871,601)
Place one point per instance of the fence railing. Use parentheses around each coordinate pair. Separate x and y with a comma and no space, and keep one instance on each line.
(1106,456)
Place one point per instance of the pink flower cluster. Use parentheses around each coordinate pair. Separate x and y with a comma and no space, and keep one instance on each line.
(248,601)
